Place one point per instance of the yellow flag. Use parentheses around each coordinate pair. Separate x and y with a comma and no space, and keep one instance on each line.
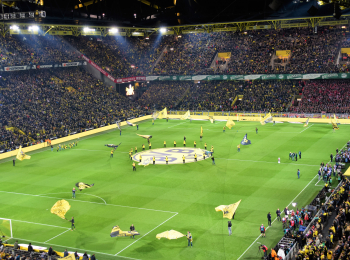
(201,130)
(307,122)
(187,115)
(69,257)
(163,113)
(228,210)
(266,119)
(21,155)
(230,123)
(60,208)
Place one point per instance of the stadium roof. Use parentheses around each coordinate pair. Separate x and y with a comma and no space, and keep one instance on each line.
(156,13)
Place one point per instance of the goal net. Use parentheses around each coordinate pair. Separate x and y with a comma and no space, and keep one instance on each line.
(5,228)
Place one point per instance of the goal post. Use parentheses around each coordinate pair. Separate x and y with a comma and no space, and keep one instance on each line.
(6,228)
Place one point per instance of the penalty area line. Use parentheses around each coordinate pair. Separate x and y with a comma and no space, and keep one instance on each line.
(79,195)
(114,205)
(146,234)
(57,235)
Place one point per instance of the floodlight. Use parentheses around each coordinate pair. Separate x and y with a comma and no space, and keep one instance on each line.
(162,30)
(147,38)
(86,29)
(33,28)
(113,30)
(14,27)
(179,36)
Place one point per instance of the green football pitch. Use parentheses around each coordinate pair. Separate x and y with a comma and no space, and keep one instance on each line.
(158,197)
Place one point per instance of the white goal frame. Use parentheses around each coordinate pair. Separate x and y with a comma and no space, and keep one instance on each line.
(1,233)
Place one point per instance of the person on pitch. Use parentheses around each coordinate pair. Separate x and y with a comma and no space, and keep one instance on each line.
(183,158)
(154,160)
(133,166)
(73,193)
(262,230)
(143,147)
(189,238)
(73,224)
(195,157)
(195,144)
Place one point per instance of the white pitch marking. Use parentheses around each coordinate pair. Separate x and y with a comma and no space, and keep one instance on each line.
(176,124)
(287,206)
(37,223)
(265,162)
(79,195)
(91,150)
(276,218)
(157,210)
(80,249)
(57,235)
(306,128)
(146,234)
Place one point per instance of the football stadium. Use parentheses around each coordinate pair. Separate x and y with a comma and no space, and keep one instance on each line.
(172,129)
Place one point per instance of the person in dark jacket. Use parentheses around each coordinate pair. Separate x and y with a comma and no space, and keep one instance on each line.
(50,253)
(65,253)
(93,257)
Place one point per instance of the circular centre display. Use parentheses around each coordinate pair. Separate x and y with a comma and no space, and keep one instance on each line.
(175,155)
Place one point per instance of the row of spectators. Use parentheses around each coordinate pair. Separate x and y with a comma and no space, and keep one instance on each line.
(259,95)
(54,103)
(251,52)
(34,49)
(330,96)
(317,96)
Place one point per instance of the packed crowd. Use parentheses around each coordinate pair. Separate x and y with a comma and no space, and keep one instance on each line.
(334,242)
(160,95)
(330,96)
(251,52)
(259,95)
(122,57)
(55,103)
(34,49)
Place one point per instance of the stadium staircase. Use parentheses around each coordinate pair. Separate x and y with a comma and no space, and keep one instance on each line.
(165,49)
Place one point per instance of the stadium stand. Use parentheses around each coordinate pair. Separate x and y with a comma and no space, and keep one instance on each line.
(33,49)
(330,96)
(259,95)
(54,103)
(160,95)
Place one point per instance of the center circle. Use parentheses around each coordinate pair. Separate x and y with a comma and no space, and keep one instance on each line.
(175,155)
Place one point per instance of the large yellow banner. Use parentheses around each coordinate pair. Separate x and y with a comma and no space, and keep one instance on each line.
(285,53)
(224,55)
(345,50)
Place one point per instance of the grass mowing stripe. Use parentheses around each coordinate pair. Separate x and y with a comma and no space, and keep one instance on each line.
(130,207)
(286,206)
(146,234)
